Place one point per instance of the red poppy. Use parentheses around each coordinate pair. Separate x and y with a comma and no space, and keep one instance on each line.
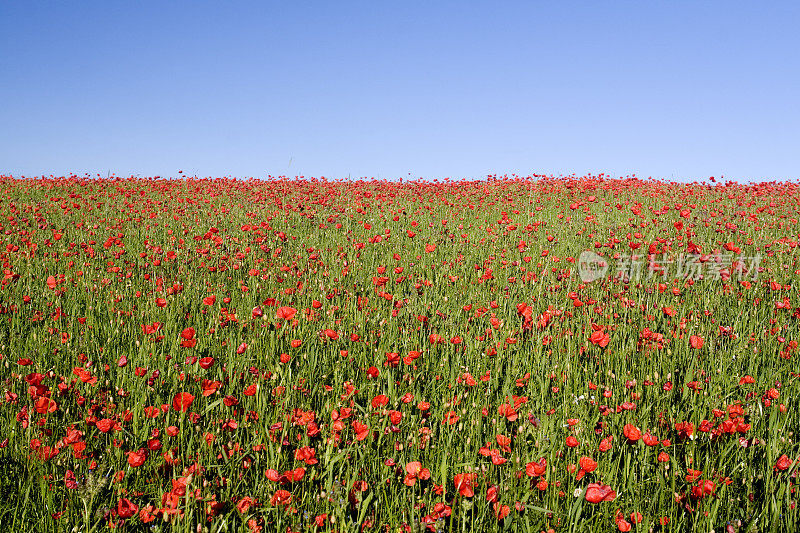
(693,475)
(596,493)
(536,469)
(105,425)
(632,433)
(210,387)
(623,525)
(286,313)
(501,510)
(281,497)
(329,334)
(696,342)
(783,463)
(188,338)
(450,418)
(650,440)
(182,401)
(126,508)
(361,429)
(137,458)
(507,411)
(465,484)
(45,405)
(379,401)
(415,471)
(587,465)
(244,504)
(306,454)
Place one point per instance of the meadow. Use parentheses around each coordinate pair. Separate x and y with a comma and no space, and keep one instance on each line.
(513,354)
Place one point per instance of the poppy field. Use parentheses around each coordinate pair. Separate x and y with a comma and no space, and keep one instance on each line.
(513,354)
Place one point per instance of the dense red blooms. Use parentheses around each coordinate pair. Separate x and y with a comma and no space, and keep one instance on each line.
(310,353)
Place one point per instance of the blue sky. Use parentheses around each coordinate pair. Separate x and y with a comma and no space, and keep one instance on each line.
(675,90)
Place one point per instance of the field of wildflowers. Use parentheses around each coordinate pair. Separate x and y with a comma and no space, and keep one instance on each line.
(522,354)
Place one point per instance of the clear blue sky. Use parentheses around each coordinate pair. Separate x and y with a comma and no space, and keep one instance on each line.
(382,89)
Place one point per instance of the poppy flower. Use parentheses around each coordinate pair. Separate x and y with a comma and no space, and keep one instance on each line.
(508,411)
(599,337)
(693,475)
(379,401)
(783,463)
(587,465)
(210,387)
(632,433)
(137,458)
(623,525)
(450,418)
(650,440)
(126,508)
(188,338)
(281,497)
(306,454)
(536,469)
(415,471)
(501,510)
(182,401)
(105,425)
(45,405)
(329,334)
(465,484)
(696,342)
(504,442)
(286,313)
(244,504)
(497,459)
(596,493)
(361,429)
